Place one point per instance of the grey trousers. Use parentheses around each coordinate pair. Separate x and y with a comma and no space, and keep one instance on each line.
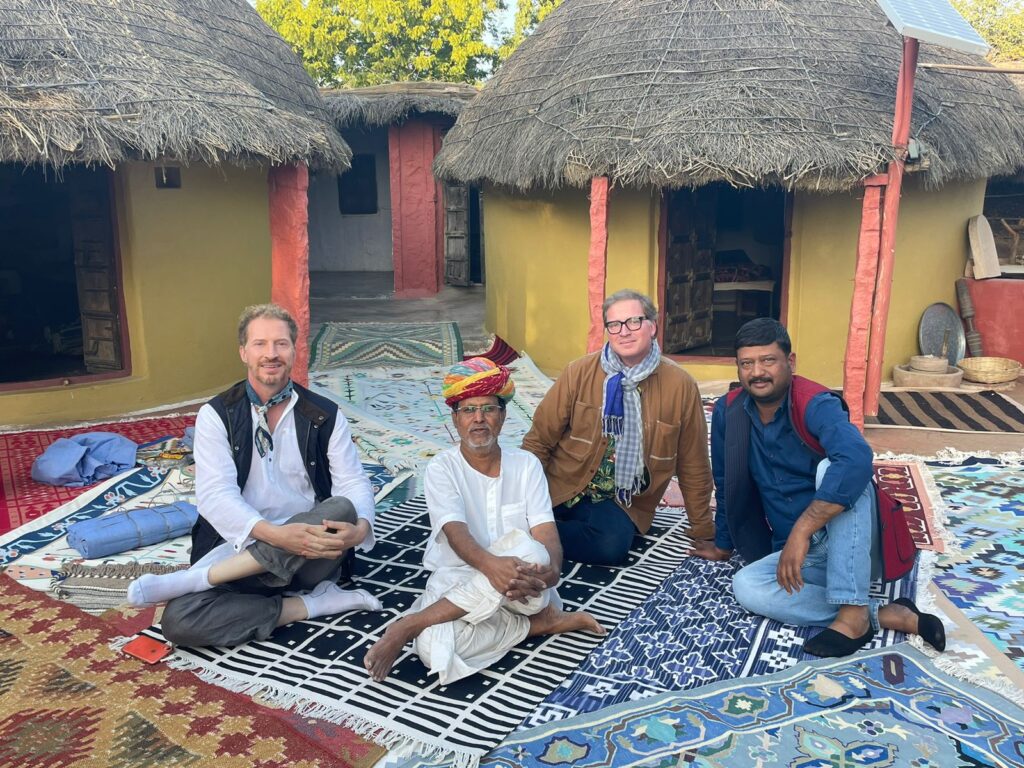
(248,609)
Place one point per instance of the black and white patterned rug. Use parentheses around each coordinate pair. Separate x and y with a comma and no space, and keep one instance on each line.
(317,666)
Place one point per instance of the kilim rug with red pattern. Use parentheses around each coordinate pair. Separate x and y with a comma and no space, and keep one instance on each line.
(67,699)
(23,499)
(906,483)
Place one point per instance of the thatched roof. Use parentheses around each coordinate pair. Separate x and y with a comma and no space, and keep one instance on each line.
(667,93)
(104,81)
(380,105)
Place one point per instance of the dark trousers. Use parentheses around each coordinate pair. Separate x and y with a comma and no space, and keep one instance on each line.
(599,533)
(249,609)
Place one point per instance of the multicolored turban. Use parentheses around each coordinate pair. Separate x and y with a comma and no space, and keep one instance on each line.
(477,377)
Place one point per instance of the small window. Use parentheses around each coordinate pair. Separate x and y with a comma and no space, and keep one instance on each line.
(357,187)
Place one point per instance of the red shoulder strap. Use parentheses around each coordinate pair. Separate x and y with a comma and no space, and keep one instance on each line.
(801,392)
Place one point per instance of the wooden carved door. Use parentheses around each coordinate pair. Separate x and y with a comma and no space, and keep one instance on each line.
(456,234)
(689,268)
(99,302)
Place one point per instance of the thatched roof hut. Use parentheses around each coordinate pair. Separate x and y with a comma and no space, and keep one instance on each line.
(660,93)
(202,81)
(378,105)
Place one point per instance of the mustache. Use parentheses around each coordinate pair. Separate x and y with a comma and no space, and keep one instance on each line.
(760,380)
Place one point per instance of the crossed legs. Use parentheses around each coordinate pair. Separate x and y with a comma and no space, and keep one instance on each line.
(239,598)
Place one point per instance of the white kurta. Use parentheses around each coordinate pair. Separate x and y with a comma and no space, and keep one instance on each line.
(278,485)
(499,512)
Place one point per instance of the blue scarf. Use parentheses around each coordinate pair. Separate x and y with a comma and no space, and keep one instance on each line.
(264,440)
(622,419)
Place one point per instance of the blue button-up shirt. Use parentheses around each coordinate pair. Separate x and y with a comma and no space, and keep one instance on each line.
(784,469)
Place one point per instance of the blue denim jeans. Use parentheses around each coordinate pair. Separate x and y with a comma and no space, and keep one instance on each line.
(842,560)
(599,533)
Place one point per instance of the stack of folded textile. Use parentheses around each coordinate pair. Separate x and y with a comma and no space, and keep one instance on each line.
(97,588)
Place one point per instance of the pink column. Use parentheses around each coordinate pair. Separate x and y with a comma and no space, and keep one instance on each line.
(890,215)
(855,362)
(597,259)
(414,210)
(289,253)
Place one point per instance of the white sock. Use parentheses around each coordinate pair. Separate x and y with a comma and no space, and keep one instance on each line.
(151,588)
(328,598)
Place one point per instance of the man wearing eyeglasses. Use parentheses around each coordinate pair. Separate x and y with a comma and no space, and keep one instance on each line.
(806,525)
(493,550)
(611,433)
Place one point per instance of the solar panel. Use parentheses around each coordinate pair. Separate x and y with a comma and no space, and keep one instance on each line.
(934,21)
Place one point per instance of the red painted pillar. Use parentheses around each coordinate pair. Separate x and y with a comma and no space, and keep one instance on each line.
(289,253)
(856,358)
(414,210)
(890,215)
(597,259)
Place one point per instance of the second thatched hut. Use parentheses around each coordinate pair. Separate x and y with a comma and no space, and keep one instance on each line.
(737,137)
(388,216)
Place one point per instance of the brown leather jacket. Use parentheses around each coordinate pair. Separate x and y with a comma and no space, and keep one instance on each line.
(566,437)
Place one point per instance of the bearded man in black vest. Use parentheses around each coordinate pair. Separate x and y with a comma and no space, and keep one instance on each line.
(795,498)
(283,503)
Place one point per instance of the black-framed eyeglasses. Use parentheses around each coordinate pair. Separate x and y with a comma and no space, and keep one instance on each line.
(486,410)
(633,323)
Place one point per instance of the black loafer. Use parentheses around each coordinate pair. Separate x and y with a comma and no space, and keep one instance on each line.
(929,626)
(831,643)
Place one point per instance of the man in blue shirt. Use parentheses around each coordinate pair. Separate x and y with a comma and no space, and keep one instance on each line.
(806,526)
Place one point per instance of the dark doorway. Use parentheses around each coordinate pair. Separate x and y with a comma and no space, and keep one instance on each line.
(476,238)
(724,250)
(59,302)
(463,235)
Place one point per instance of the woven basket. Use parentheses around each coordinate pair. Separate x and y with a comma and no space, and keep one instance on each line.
(989,370)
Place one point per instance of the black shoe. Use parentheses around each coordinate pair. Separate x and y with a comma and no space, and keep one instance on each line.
(929,626)
(831,643)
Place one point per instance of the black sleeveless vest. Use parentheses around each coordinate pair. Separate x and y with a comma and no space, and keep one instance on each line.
(315,417)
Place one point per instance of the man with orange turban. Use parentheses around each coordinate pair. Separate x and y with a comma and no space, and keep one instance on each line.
(493,553)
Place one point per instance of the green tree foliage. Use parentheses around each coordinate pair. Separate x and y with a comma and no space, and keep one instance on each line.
(366,42)
(1000,22)
(529,13)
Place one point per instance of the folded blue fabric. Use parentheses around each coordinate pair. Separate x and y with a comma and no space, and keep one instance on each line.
(83,459)
(121,531)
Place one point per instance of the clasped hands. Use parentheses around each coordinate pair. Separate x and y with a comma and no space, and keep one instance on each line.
(517,579)
(327,541)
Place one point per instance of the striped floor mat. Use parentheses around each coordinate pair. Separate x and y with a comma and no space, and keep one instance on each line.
(954,411)
(372,344)
(317,666)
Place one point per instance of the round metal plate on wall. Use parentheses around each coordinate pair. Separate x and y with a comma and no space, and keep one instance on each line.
(941,327)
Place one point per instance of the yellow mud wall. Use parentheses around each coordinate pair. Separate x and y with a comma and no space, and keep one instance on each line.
(536,261)
(191,259)
(537,269)
(931,247)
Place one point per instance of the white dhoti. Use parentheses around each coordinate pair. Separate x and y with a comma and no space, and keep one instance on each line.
(492,625)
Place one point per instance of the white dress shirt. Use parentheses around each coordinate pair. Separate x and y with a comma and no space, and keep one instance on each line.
(517,499)
(278,485)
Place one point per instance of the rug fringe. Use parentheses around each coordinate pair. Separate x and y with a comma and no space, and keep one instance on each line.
(940,510)
(953,457)
(926,604)
(382,736)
